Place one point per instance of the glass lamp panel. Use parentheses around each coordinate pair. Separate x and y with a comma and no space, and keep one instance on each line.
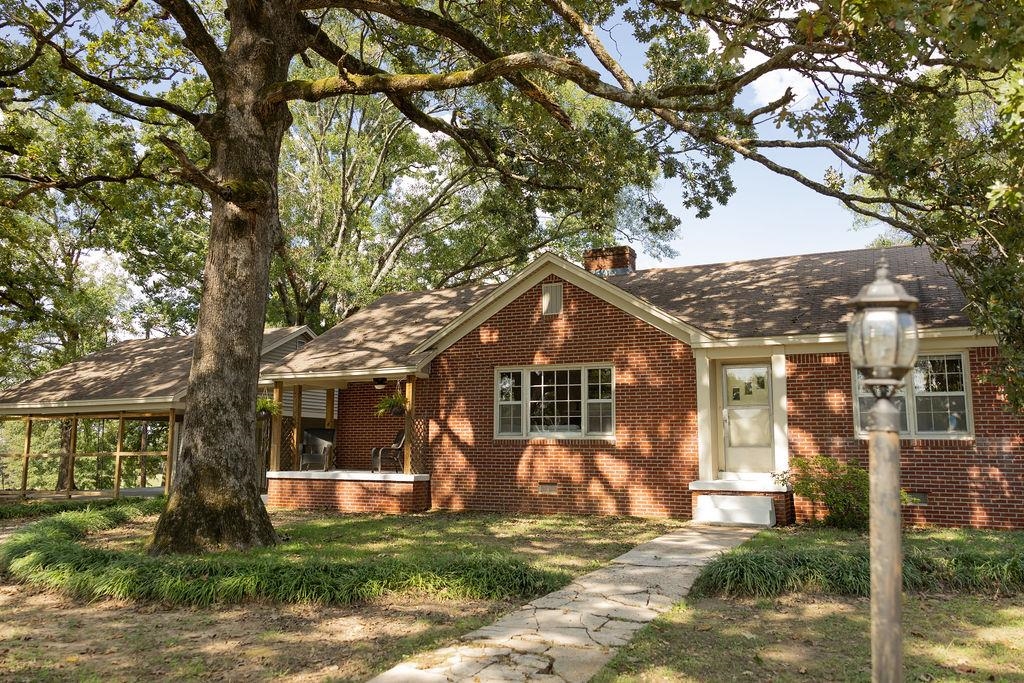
(880,337)
(907,351)
(855,339)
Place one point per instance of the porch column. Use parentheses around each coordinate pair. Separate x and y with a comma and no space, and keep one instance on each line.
(171,438)
(276,428)
(329,410)
(72,449)
(28,450)
(706,418)
(296,426)
(117,455)
(410,409)
(780,417)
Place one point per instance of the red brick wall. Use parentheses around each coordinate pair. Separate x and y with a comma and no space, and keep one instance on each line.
(976,482)
(644,472)
(358,429)
(349,496)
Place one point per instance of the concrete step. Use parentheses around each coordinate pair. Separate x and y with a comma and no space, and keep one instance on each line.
(735,510)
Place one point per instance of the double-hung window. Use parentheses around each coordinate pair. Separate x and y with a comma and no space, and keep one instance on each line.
(933,402)
(558,402)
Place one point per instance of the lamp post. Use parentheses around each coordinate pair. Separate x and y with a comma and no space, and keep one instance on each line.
(882,338)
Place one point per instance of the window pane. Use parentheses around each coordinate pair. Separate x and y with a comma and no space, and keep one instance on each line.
(941,414)
(510,419)
(510,387)
(864,403)
(599,418)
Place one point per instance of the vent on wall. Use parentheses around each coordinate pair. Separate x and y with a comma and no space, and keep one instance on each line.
(547,489)
(551,298)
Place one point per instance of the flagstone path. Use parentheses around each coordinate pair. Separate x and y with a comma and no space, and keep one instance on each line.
(568,635)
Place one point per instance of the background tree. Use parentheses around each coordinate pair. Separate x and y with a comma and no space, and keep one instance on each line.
(212,82)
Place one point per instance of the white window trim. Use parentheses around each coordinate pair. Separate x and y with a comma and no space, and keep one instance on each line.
(525,434)
(912,405)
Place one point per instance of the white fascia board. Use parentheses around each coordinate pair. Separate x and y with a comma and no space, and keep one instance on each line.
(941,333)
(115,405)
(347,375)
(549,264)
(304,330)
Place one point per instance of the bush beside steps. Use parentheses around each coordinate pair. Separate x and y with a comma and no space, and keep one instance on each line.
(47,554)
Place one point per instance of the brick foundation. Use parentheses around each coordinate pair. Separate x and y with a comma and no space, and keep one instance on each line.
(349,496)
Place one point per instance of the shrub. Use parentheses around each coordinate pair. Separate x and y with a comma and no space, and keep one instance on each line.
(841,487)
(768,572)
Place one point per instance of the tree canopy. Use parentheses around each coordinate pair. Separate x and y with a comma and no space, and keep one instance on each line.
(531,98)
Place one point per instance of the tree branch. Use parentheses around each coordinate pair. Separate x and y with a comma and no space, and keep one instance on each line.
(455,32)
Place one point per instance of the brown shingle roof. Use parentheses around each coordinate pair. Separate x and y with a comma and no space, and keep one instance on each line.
(134,369)
(790,295)
(382,335)
(767,297)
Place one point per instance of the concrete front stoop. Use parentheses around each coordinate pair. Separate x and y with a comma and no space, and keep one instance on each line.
(734,510)
(569,635)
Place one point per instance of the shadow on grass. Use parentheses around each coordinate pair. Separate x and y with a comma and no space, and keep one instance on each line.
(813,638)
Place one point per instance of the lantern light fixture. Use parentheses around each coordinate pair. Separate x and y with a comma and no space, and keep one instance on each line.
(379,383)
(882,336)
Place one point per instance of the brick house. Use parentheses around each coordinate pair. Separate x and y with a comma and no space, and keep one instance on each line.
(665,392)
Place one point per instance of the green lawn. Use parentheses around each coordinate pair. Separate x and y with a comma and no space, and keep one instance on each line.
(819,638)
(927,540)
(559,543)
(949,636)
(44,635)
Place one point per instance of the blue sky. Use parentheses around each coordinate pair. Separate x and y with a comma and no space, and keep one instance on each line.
(769,215)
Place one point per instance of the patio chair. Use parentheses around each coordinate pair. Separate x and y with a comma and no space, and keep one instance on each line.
(392,455)
(317,457)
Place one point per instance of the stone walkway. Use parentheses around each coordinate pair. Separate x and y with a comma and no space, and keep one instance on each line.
(568,635)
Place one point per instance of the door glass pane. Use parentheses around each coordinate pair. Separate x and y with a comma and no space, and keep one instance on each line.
(746,386)
(750,427)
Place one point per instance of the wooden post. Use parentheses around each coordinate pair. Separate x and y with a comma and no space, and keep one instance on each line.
(886,542)
(329,411)
(168,466)
(410,408)
(24,464)
(73,448)
(143,445)
(117,455)
(296,426)
(275,429)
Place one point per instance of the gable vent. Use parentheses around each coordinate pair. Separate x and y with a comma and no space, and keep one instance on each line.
(551,298)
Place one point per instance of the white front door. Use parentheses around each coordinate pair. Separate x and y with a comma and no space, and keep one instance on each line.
(747,418)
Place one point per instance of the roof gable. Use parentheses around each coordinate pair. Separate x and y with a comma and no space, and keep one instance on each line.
(546,265)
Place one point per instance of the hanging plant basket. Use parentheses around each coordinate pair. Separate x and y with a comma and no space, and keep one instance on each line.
(393,404)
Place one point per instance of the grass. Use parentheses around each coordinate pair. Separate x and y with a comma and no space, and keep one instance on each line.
(326,560)
(802,637)
(42,508)
(834,562)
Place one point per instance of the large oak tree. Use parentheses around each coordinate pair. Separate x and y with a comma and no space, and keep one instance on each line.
(206,87)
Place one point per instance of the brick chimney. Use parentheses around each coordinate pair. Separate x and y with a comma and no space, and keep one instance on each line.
(607,261)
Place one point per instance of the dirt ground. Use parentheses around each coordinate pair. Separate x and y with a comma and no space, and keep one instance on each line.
(45,637)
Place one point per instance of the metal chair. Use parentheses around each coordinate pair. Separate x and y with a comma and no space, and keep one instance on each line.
(393,454)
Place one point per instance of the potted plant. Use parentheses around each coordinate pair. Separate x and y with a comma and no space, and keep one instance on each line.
(392,404)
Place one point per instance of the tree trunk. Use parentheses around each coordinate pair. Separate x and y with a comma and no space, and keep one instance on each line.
(215,498)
